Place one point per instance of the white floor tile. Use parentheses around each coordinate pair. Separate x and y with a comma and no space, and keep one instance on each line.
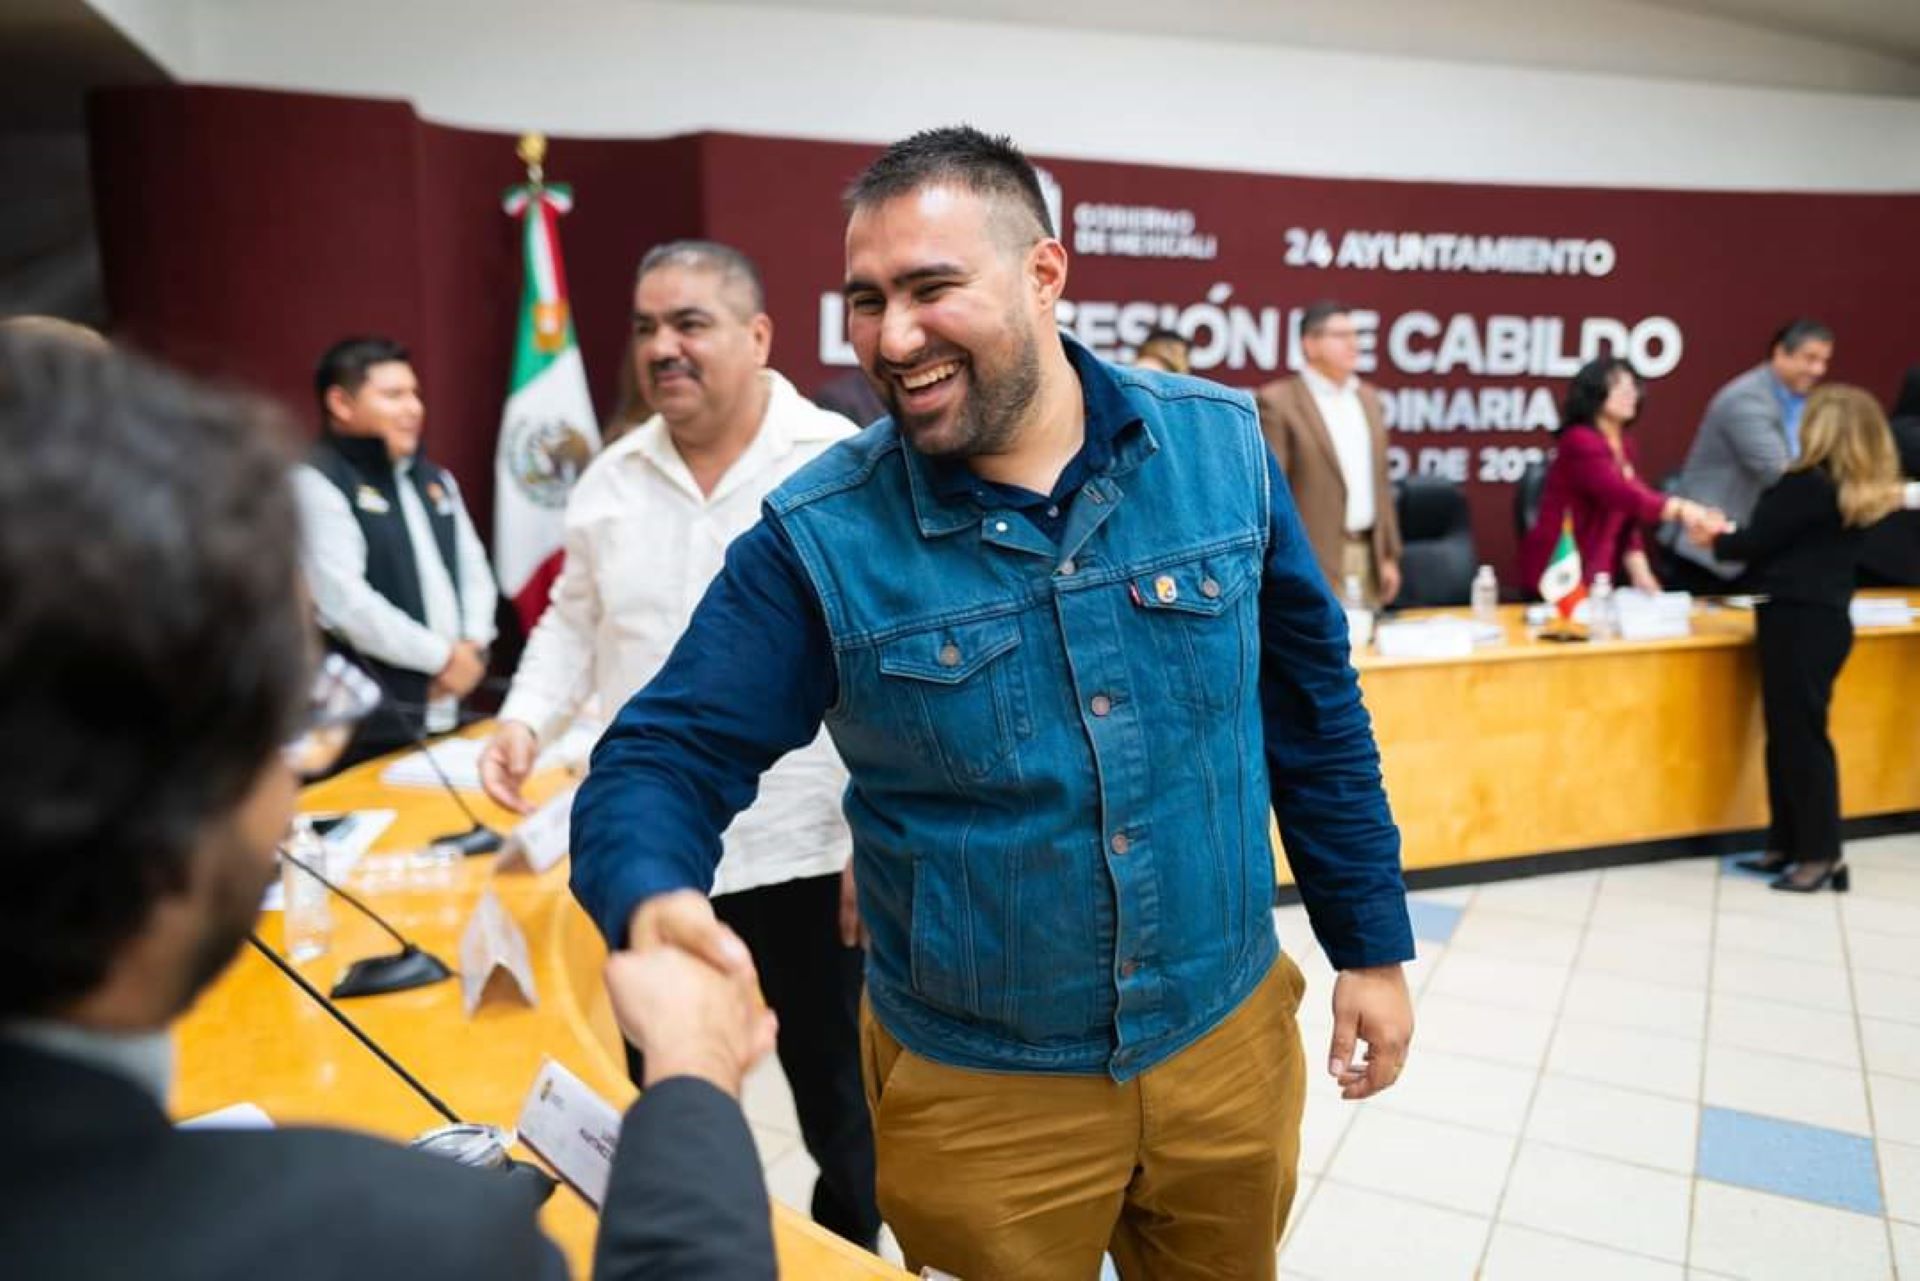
(1477,1093)
(1564,897)
(1899,852)
(1493,980)
(1659,883)
(1883,916)
(1655,919)
(1605,1120)
(790,1180)
(1634,957)
(1780,979)
(1756,1023)
(767,1099)
(1896,1108)
(1635,1003)
(1750,896)
(1600,1201)
(1420,970)
(1451,896)
(1753,1234)
(1324,1122)
(1887,996)
(1302,1194)
(1892,1049)
(1900,885)
(1900,1178)
(1459,1026)
(1425,1160)
(1649,1061)
(1794,1089)
(1807,942)
(1349,1232)
(1521,1254)
(1887,953)
(1487,932)
(772,1145)
(1906,1249)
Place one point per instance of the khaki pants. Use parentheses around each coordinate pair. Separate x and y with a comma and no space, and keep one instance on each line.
(1186,1171)
(1356,558)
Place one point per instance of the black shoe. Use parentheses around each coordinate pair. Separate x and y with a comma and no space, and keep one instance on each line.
(1834,874)
(1772,863)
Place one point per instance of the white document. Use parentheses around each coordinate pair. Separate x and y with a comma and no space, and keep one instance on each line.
(459,759)
(542,837)
(1880,611)
(493,945)
(572,1128)
(238,1116)
(1646,617)
(1425,638)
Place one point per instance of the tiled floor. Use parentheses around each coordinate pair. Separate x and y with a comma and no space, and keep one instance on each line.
(1664,1071)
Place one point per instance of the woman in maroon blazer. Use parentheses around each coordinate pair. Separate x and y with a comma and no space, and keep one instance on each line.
(1593,479)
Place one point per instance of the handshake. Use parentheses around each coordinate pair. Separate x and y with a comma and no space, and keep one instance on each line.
(1701,524)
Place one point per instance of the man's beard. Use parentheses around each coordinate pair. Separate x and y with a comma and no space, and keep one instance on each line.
(234,912)
(990,412)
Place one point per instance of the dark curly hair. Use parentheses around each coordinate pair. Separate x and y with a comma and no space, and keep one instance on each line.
(1589,390)
(154,648)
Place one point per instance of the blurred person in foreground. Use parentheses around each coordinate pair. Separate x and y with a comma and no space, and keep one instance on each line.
(1594,480)
(1802,547)
(155,656)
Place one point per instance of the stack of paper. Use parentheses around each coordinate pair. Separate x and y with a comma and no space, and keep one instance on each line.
(1648,617)
(459,759)
(1881,611)
(1426,638)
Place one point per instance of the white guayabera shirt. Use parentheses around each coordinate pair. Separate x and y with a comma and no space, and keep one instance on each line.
(642,544)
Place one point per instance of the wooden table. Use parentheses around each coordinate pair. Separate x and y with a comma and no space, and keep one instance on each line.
(256,1038)
(1532,747)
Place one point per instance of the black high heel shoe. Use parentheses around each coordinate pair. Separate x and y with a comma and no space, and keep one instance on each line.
(1835,875)
(1771,863)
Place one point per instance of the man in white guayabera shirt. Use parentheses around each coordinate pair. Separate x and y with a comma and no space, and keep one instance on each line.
(647,529)
(399,578)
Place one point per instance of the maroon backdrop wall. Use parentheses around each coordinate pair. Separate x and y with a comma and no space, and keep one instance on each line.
(242,231)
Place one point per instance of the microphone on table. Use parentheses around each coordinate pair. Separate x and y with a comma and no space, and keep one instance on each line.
(468,1143)
(412,966)
(477,839)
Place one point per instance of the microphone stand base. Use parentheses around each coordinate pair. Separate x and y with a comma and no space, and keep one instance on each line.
(375,975)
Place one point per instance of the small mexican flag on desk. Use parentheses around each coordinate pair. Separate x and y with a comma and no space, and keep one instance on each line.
(547,431)
(1562,585)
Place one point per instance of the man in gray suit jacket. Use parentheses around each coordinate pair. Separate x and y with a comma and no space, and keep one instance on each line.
(1750,434)
(155,654)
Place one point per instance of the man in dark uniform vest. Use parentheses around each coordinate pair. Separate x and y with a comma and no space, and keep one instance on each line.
(398,575)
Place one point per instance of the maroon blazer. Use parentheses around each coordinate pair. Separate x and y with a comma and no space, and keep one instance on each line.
(1608,503)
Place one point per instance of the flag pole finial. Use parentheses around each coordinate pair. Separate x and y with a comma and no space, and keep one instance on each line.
(533,154)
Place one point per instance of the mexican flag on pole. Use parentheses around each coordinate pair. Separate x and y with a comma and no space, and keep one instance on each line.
(1562,585)
(547,433)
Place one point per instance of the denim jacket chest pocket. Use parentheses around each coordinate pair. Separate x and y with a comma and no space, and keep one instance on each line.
(956,693)
(1200,634)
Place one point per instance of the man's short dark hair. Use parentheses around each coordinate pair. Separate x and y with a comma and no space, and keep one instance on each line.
(154,651)
(732,266)
(1316,316)
(346,363)
(989,165)
(1796,333)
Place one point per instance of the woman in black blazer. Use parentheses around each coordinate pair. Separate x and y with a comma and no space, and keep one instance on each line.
(1802,546)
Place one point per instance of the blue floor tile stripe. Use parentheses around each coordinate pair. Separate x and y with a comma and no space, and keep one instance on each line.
(1808,1162)
(1433,922)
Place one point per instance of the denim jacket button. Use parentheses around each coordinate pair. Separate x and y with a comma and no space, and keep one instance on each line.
(1067,567)
(1120,843)
(949,655)
(1100,704)
(1129,968)
(1166,589)
(1209,588)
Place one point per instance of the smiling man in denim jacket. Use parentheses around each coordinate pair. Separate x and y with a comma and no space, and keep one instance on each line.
(1063,625)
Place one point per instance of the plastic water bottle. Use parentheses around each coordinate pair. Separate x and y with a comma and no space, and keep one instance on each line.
(1486,596)
(1603,623)
(309,910)
(1359,618)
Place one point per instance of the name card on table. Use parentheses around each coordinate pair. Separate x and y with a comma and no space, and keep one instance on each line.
(493,955)
(573,1129)
(541,839)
